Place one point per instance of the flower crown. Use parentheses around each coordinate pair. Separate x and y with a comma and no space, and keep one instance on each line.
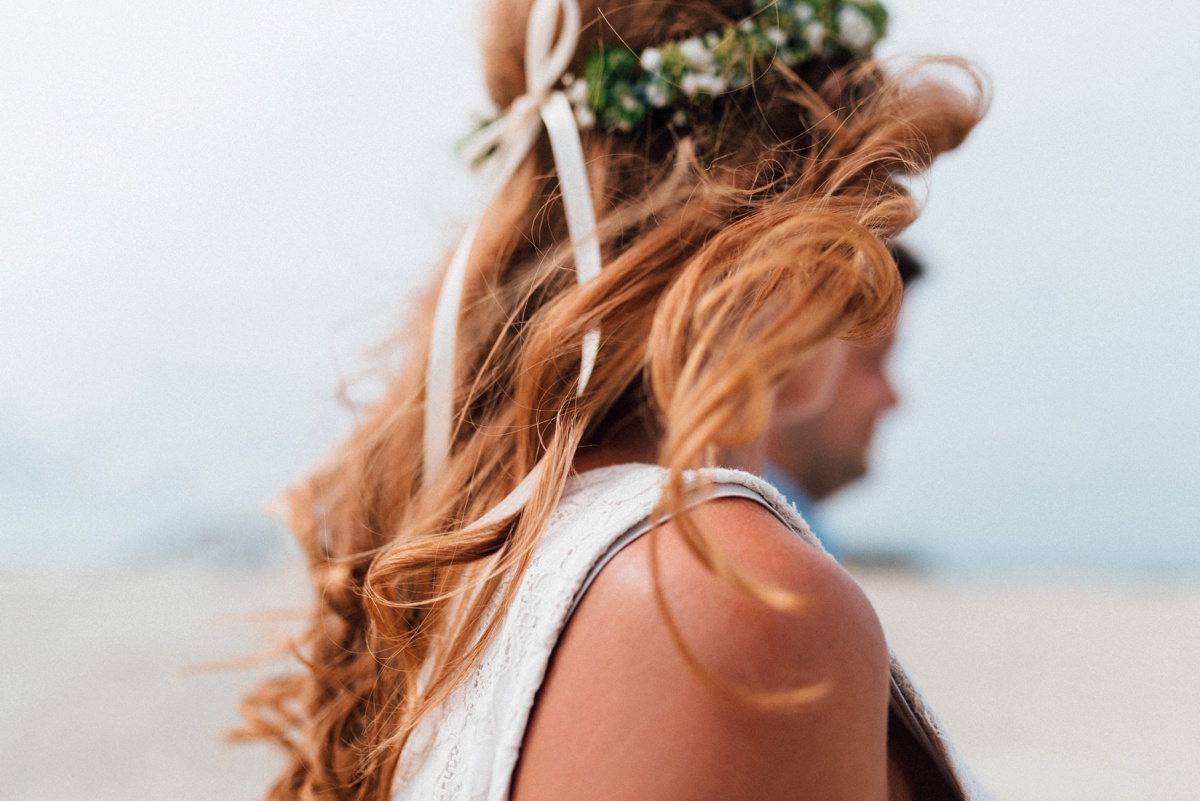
(620,89)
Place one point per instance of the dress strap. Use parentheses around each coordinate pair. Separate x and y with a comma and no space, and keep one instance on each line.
(708,493)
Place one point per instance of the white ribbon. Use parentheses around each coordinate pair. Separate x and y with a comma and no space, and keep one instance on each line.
(508,140)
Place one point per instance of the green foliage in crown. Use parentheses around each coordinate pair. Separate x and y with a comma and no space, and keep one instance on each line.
(620,89)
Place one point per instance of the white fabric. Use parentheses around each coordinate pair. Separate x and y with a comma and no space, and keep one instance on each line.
(511,137)
(468,749)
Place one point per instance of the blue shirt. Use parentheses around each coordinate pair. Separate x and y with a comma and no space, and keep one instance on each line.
(804,505)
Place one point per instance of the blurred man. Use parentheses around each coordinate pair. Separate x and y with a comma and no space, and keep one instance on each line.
(813,459)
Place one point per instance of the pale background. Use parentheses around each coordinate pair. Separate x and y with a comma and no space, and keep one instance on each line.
(209,209)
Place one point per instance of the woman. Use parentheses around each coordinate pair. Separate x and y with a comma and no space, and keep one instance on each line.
(532,579)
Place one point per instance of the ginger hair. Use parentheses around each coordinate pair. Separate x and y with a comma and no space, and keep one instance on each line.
(732,250)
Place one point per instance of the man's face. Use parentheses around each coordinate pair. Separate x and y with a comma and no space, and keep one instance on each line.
(829,450)
(810,388)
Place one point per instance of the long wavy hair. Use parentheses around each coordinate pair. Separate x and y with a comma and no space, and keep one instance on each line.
(733,249)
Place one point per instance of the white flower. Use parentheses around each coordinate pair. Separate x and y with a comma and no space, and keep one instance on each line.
(585,117)
(577,92)
(695,82)
(712,39)
(630,103)
(624,126)
(855,31)
(656,94)
(651,59)
(694,51)
(814,32)
(747,26)
(679,118)
(776,37)
(803,13)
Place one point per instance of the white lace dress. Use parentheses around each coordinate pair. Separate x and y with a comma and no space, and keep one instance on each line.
(468,749)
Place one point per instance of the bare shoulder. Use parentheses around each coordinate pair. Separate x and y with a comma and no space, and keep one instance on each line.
(623,715)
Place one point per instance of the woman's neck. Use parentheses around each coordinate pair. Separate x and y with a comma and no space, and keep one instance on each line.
(632,439)
(636,439)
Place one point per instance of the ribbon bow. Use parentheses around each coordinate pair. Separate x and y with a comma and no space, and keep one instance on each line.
(512,136)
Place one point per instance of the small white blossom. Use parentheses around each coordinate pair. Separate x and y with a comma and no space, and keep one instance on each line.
(652,59)
(696,82)
(679,118)
(814,32)
(747,26)
(855,31)
(624,126)
(776,37)
(803,13)
(585,117)
(712,39)
(630,103)
(694,51)
(656,94)
(577,92)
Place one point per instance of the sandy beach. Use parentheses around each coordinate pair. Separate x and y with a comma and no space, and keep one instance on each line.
(1057,690)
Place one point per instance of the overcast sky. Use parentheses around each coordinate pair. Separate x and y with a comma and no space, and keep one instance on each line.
(209,209)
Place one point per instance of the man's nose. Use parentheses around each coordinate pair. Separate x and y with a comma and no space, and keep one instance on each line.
(891,399)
